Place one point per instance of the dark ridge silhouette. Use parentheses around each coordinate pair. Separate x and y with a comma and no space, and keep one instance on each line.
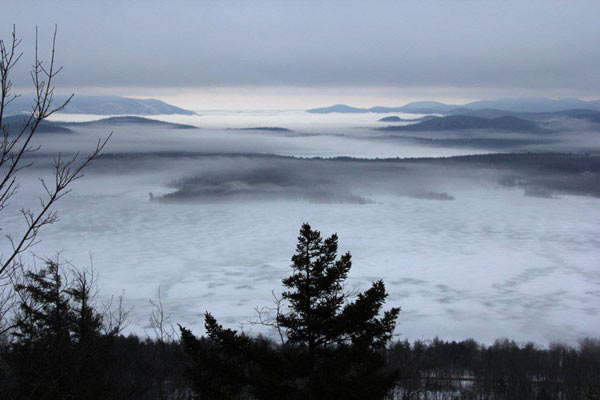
(585,114)
(463,122)
(130,120)
(391,119)
(14,124)
(394,118)
(591,117)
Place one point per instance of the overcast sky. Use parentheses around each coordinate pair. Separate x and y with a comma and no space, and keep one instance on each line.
(296,53)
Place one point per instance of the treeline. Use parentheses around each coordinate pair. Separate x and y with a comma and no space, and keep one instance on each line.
(136,368)
(443,370)
(59,342)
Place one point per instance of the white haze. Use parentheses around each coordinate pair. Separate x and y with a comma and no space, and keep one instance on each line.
(492,263)
(322,135)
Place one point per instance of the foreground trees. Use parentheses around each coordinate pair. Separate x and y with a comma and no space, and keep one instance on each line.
(62,342)
(64,345)
(332,340)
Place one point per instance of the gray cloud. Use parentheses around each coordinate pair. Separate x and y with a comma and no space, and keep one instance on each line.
(534,44)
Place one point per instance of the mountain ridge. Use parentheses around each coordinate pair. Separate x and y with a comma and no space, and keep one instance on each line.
(516,104)
(14,124)
(129,120)
(104,105)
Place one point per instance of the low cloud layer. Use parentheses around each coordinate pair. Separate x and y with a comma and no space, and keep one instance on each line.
(484,246)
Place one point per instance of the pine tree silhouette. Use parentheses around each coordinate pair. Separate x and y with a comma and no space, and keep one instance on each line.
(334,338)
(60,350)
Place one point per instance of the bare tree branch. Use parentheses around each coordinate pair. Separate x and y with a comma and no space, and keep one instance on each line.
(269,317)
(15,144)
(115,315)
(160,321)
(7,302)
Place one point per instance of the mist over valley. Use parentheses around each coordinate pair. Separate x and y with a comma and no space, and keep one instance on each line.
(482,231)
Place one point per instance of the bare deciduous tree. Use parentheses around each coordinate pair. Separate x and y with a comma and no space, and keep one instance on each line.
(169,383)
(15,144)
(269,317)
(7,302)
(116,315)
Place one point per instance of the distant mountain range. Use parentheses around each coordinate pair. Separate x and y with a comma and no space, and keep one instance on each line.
(463,122)
(15,123)
(535,104)
(530,104)
(104,105)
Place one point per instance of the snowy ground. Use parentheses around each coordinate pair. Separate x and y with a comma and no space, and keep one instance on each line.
(492,263)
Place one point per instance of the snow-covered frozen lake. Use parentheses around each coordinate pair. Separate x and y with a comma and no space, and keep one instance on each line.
(491,263)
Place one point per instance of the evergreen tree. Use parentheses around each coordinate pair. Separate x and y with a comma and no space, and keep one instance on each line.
(87,322)
(44,314)
(42,333)
(334,339)
(90,348)
(59,349)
